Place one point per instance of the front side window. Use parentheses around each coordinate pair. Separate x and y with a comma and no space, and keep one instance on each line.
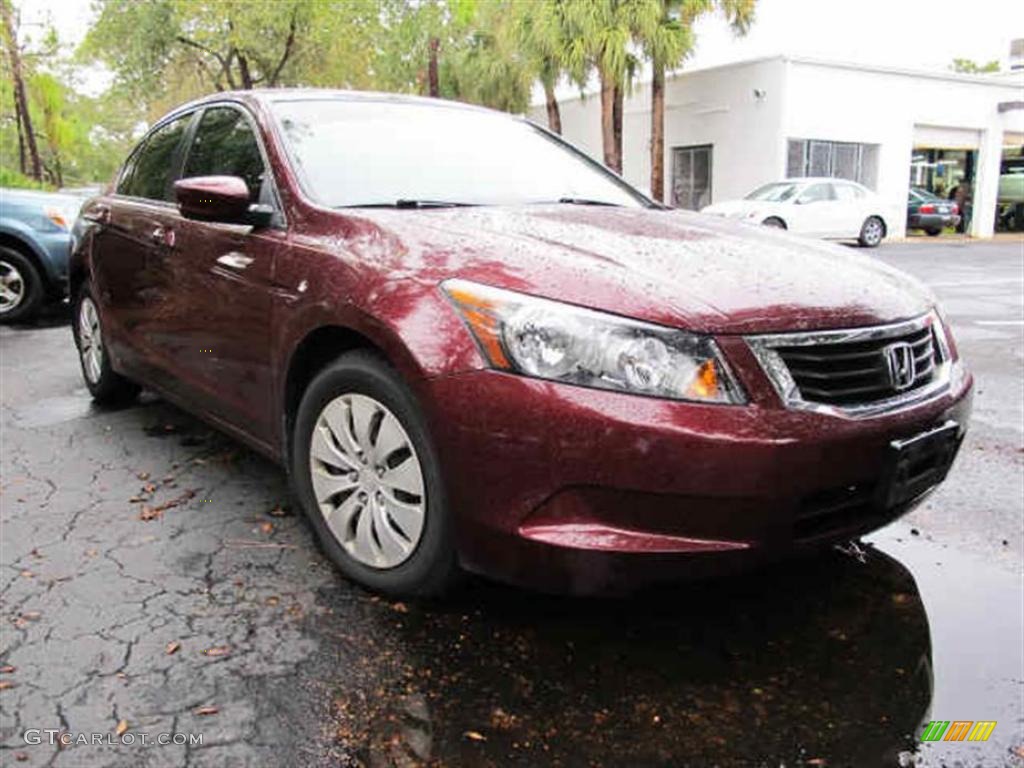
(355,153)
(225,145)
(149,171)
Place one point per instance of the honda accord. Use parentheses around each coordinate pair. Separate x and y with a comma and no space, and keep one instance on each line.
(473,348)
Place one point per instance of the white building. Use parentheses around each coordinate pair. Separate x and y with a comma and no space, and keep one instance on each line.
(731,128)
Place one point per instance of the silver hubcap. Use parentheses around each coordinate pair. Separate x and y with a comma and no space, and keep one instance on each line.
(367,480)
(873,231)
(90,340)
(12,287)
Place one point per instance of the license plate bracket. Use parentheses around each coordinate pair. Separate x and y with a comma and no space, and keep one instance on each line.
(917,463)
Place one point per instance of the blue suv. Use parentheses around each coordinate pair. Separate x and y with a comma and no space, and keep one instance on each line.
(35,240)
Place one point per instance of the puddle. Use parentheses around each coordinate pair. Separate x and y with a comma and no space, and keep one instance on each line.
(825,660)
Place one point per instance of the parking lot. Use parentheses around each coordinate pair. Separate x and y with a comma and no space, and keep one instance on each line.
(156,581)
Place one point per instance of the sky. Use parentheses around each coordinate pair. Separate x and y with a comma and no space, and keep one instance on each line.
(917,34)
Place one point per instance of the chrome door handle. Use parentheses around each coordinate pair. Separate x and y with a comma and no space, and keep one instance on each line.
(162,236)
(234,260)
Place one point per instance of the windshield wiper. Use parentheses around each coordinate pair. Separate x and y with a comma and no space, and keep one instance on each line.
(586,201)
(412,203)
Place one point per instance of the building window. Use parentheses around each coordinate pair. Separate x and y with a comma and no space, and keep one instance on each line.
(691,177)
(836,159)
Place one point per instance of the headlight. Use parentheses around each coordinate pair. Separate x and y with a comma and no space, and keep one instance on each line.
(550,340)
(57,217)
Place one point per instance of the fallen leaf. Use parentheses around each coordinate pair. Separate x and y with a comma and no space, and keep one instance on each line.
(279,511)
(1019,750)
(474,736)
(168,478)
(267,527)
(7,669)
(5,684)
(172,647)
(26,574)
(21,757)
(220,650)
(143,475)
(400,608)
(31,615)
(149,513)
(149,488)
(136,499)
(206,711)
(273,600)
(817,761)
(122,726)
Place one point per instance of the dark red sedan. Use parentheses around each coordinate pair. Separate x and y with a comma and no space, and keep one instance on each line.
(473,347)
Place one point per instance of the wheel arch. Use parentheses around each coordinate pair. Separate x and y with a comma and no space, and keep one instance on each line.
(317,349)
(23,245)
(777,218)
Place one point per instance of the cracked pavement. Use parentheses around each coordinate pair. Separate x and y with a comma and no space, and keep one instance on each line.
(153,580)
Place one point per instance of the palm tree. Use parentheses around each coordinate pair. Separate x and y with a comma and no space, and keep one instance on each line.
(539,29)
(667,42)
(600,35)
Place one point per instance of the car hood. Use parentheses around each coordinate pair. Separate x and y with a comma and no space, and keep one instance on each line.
(671,267)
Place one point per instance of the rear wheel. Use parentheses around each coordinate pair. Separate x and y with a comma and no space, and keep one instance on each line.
(774,222)
(369,479)
(933,232)
(105,385)
(21,288)
(872,232)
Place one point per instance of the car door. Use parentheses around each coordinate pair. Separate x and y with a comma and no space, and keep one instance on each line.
(223,350)
(811,213)
(130,242)
(849,209)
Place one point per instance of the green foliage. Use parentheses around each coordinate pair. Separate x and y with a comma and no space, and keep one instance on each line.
(165,52)
(970,67)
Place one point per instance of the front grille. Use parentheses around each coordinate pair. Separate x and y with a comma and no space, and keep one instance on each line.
(847,373)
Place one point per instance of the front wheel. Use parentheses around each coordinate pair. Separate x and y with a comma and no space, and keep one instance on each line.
(774,222)
(21,288)
(933,232)
(106,386)
(872,232)
(369,479)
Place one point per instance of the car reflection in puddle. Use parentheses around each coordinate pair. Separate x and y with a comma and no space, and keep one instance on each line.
(798,666)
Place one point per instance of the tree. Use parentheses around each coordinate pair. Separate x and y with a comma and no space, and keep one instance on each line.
(666,36)
(601,32)
(539,29)
(23,115)
(154,47)
(970,67)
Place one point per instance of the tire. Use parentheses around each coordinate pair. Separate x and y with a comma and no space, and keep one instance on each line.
(775,222)
(360,452)
(21,288)
(871,232)
(933,232)
(106,386)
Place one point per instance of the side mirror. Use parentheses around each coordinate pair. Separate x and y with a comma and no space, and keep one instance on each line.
(213,198)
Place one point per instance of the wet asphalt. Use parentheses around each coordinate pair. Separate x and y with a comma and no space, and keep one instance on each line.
(154,580)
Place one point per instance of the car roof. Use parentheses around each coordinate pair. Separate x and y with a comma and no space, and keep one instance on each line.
(276,95)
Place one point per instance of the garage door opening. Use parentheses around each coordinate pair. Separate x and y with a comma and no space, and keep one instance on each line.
(941,198)
(1010,202)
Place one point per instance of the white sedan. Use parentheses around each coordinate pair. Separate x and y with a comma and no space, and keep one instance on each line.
(819,207)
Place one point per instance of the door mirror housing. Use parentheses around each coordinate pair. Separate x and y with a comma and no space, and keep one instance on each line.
(219,198)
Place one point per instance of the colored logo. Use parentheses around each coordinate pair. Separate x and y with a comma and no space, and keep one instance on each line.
(958,730)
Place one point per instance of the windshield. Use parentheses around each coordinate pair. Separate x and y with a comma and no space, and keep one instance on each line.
(774,193)
(355,153)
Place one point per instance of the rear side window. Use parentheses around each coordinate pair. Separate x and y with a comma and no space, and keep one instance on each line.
(148,173)
(225,145)
(816,193)
(847,192)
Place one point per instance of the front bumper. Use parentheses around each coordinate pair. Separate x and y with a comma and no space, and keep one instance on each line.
(572,489)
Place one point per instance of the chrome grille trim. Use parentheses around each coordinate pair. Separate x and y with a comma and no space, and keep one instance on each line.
(939,367)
